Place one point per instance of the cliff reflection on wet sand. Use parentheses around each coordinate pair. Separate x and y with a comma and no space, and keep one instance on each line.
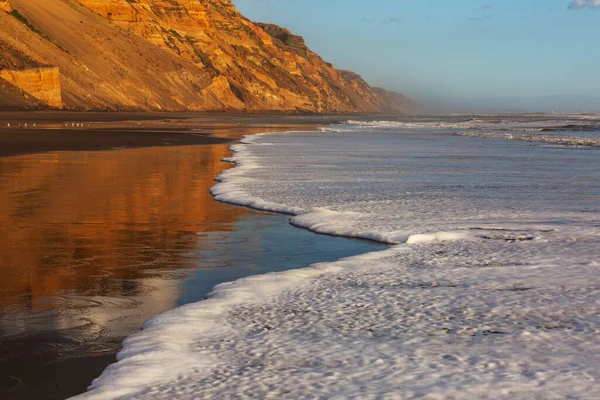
(93,242)
(79,231)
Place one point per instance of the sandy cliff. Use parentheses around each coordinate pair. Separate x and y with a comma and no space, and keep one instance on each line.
(41,83)
(173,55)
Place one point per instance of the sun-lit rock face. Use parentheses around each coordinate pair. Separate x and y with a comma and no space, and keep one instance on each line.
(201,55)
(265,72)
(41,83)
(5,5)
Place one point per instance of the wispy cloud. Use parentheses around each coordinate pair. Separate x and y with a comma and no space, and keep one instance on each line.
(377,21)
(483,12)
(393,20)
(484,7)
(579,4)
(479,19)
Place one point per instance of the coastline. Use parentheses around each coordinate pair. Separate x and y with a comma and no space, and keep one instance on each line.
(47,131)
(206,316)
(86,364)
(366,321)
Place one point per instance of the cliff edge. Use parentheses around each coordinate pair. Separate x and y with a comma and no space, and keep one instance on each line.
(175,55)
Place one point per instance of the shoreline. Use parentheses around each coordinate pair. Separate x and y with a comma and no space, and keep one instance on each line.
(157,332)
(406,301)
(52,131)
(12,378)
(295,214)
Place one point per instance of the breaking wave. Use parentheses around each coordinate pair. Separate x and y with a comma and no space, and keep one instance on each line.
(572,141)
(564,123)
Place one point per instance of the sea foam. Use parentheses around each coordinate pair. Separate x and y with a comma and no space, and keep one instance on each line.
(491,289)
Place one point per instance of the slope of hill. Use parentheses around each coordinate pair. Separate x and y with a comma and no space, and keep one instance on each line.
(174,55)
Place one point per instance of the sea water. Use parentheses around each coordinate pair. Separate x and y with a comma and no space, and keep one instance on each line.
(491,288)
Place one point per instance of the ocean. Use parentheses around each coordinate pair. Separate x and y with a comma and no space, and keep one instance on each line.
(490,286)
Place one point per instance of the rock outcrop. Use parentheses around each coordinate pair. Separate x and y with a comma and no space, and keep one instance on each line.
(12,98)
(41,83)
(5,6)
(176,55)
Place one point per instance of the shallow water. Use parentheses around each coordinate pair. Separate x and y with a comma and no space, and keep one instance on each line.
(92,244)
(492,289)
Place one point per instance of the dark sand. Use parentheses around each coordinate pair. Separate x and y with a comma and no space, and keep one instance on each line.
(44,131)
(37,132)
(25,141)
(32,371)
(98,116)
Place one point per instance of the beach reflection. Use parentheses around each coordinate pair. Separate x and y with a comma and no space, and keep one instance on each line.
(92,244)
(97,241)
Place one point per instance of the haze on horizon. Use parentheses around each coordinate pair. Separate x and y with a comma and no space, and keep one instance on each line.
(476,55)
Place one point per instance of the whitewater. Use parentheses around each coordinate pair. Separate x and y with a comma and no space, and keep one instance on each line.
(490,287)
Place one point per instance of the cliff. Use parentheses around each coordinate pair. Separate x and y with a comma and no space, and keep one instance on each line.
(393,101)
(175,55)
(41,83)
(5,6)
(13,98)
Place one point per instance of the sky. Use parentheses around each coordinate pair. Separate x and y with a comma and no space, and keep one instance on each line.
(503,54)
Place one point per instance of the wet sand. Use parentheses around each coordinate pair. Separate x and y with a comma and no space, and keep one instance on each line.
(35,132)
(93,242)
(26,141)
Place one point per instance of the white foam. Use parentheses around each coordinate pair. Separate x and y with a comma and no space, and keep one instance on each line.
(425,321)
(164,350)
(233,182)
(231,190)
(492,290)
(437,237)
(574,141)
(482,123)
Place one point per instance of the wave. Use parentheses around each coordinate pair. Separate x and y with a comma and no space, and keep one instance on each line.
(514,124)
(573,128)
(231,189)
(571,141)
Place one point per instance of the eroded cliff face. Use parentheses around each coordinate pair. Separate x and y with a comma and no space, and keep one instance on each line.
(41,83)
(180,55)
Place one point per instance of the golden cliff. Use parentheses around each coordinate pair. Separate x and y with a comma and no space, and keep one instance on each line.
(5,6)
(41,83)
(174,55)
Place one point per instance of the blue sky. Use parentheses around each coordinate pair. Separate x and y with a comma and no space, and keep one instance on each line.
(470,51)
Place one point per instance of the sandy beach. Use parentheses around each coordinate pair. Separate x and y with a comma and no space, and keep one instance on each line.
(27,141)
(35,132)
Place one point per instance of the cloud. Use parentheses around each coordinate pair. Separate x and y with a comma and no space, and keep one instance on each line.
(376,21)
(579,4)
(484,7)
(479,19)
(393,20)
